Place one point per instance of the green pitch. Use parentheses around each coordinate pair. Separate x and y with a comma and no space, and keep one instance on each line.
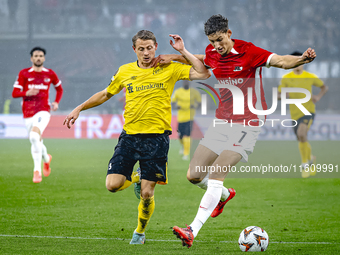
(71,212)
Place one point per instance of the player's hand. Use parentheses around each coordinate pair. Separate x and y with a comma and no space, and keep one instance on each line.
(309,55)
(161,60)
(32,92)
(55,106)
(71,118)
(178,44)
(315,98)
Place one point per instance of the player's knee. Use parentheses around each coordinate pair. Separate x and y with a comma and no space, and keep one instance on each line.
(113,186)
(34,137)
(302,137)
(146,193)
(192,178)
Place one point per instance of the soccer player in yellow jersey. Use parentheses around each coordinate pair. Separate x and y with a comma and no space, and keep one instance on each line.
(300,78)
(145,136)
(187,100)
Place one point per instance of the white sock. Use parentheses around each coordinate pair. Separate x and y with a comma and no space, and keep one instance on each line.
(44,152)
(36,150)
(208,203)
(225,194)
(204,185)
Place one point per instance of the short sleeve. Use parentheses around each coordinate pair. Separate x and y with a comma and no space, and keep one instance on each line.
(259,57)
(206,61)
(317,81)
(115,85)
(181,71)
(20,81)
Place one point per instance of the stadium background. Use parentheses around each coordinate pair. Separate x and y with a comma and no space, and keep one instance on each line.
(87,40)
(71,212)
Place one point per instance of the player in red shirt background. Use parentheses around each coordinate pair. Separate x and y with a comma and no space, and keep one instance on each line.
(33,86)
(238,63)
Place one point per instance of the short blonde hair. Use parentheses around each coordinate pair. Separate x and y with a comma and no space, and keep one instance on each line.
(143,35)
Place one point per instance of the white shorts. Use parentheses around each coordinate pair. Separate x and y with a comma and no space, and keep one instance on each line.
(236,138)
(40,120)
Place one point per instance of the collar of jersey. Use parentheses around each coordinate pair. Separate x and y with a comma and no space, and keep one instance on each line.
(142,68)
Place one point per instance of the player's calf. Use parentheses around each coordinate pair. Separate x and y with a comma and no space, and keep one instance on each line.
(137,185)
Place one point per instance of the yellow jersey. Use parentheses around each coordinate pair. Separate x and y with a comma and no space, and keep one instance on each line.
(148,95)
(187,100)
(305,80)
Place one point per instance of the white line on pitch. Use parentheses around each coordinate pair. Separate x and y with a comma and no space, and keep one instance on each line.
(150,240)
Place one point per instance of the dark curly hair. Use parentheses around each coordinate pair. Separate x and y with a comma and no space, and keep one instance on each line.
(39,49)
(216,23)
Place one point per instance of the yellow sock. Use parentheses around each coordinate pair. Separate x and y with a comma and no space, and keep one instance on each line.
(145,211)
(181,141)
(303,147)
(309,151)
(127,183)
(186,143)
(134,177)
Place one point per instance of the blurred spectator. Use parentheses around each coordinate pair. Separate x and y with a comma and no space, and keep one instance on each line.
(282,22)
(12,11)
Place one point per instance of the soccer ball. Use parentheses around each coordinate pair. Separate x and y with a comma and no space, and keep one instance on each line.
(253,239)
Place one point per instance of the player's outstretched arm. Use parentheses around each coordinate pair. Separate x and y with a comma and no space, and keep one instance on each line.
(165,59)
(198,70)
(289,61)
(95,100)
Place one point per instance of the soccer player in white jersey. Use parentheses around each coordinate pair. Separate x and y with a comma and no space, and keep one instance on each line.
(33,86)
(238,63)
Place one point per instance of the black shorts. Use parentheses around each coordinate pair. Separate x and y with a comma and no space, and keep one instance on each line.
(151,150)
(184,129)
(307,119)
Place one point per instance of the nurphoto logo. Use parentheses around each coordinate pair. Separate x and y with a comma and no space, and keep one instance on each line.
(239,102)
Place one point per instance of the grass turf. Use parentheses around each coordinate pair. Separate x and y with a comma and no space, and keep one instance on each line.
(71,212)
